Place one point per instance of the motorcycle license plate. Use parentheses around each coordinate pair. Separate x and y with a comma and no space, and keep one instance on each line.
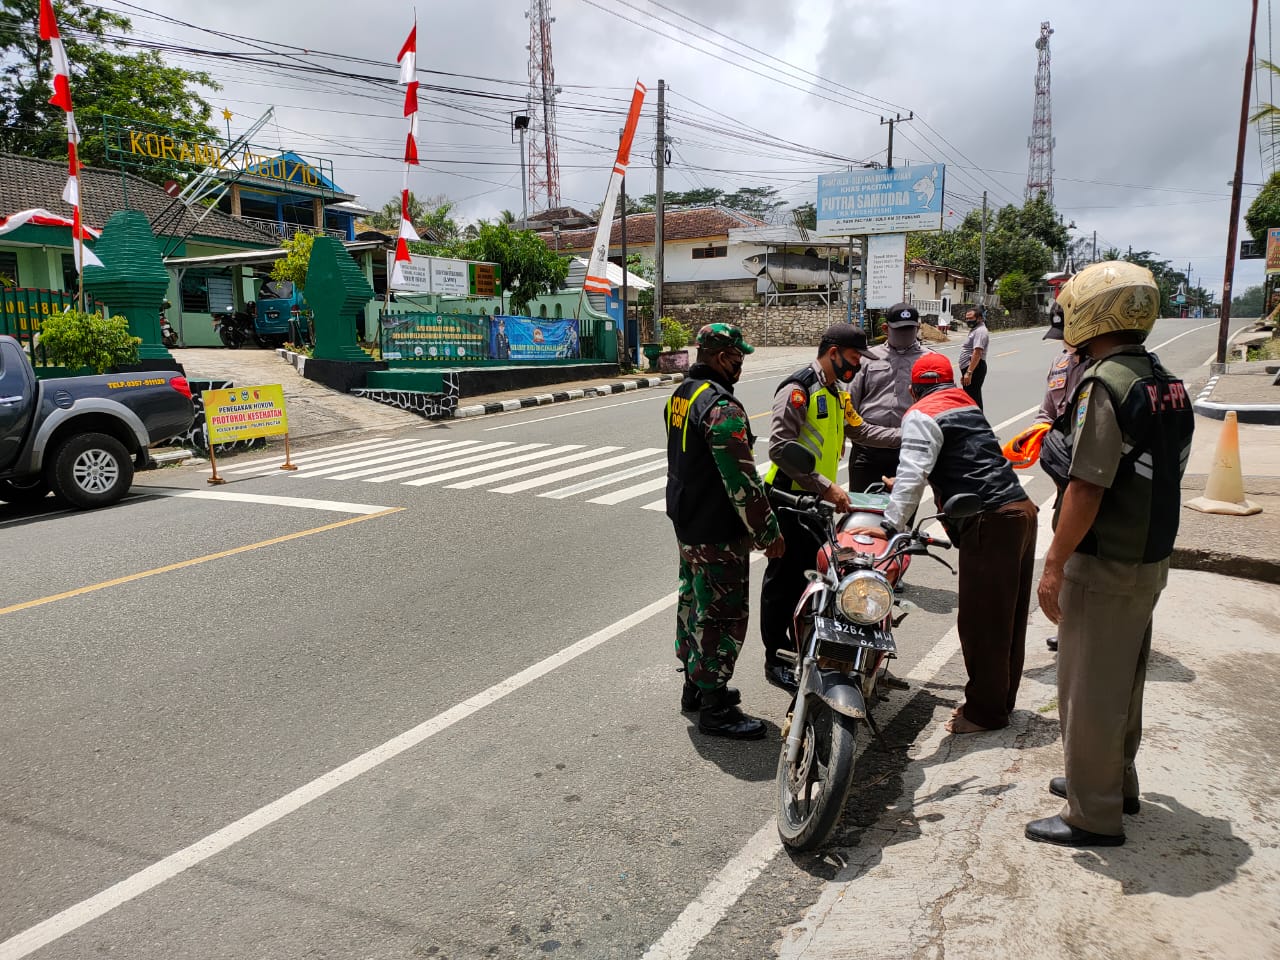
(853,635)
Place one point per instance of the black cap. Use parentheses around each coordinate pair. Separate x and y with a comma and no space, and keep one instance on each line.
(844,335)
(902,315)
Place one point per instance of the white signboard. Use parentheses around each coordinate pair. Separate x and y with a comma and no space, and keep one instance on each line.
(438,275)
(449,277)
(863,202)
(886,269)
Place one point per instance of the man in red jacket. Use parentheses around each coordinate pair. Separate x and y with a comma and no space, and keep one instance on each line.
(948,445)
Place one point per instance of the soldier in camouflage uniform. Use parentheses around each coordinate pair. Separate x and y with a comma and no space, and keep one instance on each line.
(717,503)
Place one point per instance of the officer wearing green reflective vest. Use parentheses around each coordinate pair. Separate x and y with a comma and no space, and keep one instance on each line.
(717,503)
(812,407)
(1117,453)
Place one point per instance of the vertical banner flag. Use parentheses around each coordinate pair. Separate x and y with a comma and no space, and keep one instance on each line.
(408,60)
(597,280)
(62,98)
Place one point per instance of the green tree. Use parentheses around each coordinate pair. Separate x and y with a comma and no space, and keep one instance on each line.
(757,201)
(1264,212)
(1016,289)
(1249,303)
(433,214)
(805,216)
(293,265)
(529,267)
(138,86)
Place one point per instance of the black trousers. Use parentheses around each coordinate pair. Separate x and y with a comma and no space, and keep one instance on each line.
(974,389)
(784,582)
(868,465)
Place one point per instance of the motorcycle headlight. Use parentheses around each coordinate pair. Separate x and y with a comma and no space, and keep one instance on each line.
(864,597)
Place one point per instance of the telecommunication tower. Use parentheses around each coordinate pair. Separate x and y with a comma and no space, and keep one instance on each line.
(544,161)
(1040,143)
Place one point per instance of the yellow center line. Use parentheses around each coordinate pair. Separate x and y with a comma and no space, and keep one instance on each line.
(1007,353)
(93,588)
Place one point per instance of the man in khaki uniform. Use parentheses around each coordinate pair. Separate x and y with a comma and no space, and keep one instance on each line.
(1118,456)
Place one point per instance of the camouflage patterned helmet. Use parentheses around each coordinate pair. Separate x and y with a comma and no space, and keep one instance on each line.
(720,336)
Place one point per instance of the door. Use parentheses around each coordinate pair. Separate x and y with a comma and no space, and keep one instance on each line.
(17,402)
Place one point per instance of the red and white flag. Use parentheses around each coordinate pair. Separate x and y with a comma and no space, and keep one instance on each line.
(597,280)
(39,217)
(62,98)
(408,60)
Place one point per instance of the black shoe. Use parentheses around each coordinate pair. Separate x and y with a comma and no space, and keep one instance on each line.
(691,697)
(1051,643)
(1057,831)
(720,718)
(782,676)
(894,683)
(1058,787)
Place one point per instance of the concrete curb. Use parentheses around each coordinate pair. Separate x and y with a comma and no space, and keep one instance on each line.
(561,396)
(1226,564)
(1267,414)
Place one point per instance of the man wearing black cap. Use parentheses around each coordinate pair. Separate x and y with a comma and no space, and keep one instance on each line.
(811,407)
(881,393)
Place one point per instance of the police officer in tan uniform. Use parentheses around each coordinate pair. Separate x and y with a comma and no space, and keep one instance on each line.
(1118,456)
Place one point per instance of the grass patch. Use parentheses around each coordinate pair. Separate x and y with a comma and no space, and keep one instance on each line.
(1049,707)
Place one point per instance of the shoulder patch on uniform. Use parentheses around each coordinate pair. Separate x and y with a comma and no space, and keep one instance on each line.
(1082,405)
(799,399)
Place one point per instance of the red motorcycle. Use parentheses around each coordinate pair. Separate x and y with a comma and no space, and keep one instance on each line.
(843,627)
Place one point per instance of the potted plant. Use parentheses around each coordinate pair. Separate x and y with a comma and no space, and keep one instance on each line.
(674,358)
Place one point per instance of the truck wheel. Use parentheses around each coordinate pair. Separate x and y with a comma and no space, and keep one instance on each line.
(23,491)
(90,470)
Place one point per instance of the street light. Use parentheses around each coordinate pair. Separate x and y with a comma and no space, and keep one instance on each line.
(520,124)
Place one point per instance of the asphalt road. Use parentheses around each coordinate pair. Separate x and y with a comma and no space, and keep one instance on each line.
(386,719)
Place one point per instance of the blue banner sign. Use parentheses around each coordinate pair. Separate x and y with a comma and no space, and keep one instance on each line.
(894,200)
(524,338)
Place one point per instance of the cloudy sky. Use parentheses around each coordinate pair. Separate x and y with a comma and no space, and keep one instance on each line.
(1146,98)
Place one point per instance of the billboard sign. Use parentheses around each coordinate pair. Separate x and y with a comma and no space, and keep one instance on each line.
(1273,251)
(886,270)
(894,200)
(444,277)
(524,338)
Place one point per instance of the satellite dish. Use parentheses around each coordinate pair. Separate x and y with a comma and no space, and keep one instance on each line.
(172,188)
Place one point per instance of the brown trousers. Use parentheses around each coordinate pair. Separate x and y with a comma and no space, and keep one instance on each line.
(997,563)
(1104,641)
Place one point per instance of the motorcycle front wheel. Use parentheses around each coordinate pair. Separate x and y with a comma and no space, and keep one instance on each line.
(813,790)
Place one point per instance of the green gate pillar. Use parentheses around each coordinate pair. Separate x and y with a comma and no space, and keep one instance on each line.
(335,290)
(132,280)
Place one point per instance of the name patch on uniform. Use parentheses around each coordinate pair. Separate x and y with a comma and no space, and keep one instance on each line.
(822,405)
(799,399)
(1083,406)
(1057,383)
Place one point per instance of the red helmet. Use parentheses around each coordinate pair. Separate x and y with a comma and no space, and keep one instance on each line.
(931,370)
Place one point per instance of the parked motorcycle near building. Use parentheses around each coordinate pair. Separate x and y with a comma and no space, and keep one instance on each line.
(843,626)
(168,336)
(235,327)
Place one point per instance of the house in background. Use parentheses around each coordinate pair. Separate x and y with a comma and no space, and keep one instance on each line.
(698,263)
(933,289)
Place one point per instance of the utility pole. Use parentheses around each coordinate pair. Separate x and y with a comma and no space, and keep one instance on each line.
(520,123)
(982,255)
(892,122)
(657,210)
(1237,183)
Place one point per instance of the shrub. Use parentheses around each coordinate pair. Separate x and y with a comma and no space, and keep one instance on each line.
(675,335)
(74,339)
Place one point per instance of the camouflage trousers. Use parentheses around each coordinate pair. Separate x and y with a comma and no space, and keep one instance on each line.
(711,613)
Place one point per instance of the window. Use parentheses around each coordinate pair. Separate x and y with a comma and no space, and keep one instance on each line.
(194,292)
(542,311)
(559,312)
(70,276)
(9,266)
(709,252)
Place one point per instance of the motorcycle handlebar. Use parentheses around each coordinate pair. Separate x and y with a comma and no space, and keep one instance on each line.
(802,502)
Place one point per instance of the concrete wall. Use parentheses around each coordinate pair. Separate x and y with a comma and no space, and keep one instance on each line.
(781,327)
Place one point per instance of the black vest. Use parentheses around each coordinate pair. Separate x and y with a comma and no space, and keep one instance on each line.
(697,502)
(1137,521)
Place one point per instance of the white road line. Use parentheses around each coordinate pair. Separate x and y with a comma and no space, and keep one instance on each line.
(576,471)
(1015,418)
(337,506)
(604,481)
(240,465)
(1181,335)
(387,460)
(86,911)
(711,906)
(540,455)
(531,468)
(761,467)
(438,461)
(344,457)
(574,413)
(630,493)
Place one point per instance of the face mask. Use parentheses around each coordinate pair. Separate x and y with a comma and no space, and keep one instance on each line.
(731,365)
(843,371)
(971,323)
(902,338)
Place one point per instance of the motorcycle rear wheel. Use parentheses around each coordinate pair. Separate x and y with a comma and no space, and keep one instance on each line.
(229,339)
(812,792)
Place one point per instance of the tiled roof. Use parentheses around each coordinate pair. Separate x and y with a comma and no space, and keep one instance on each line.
(27,183)
(694,223)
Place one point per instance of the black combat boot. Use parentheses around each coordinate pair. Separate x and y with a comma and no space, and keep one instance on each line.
(691,697)
(720,717)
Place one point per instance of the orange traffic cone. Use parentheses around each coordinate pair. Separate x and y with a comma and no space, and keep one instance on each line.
(1224,491)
